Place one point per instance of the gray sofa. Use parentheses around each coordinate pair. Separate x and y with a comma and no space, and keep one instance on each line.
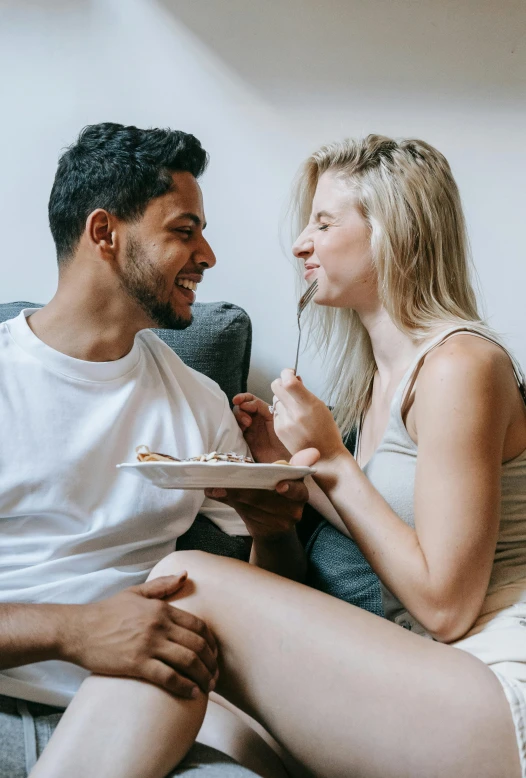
(218,344)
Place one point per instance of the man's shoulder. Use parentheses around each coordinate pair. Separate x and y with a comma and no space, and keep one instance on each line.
(186,376)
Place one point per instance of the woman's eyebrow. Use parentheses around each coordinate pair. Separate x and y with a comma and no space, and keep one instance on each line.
(324,213)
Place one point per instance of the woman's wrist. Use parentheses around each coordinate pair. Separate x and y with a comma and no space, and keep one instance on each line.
(330,468)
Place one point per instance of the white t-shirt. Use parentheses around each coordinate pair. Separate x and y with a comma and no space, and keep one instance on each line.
(74,528)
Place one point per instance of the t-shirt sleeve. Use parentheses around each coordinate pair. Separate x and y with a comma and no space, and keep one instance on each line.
(228,438)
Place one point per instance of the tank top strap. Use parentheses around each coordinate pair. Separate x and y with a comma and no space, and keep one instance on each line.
(410,377)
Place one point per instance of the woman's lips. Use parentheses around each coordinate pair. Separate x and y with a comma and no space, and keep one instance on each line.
(309,272)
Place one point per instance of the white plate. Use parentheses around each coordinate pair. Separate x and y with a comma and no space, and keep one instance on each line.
(222,475)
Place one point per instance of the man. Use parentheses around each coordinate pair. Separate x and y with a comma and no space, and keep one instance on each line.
(82,383)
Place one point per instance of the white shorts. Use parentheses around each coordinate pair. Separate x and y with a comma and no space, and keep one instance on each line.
(500,642)
(515,692)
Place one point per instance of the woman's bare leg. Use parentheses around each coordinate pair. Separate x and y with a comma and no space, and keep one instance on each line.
(347,693)
(109,718)
(232,732)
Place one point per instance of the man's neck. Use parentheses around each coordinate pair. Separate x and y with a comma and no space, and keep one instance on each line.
(88,323)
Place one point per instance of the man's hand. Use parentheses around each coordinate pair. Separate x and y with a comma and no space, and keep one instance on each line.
(257,424)
(269,515)
(136,633)
(271,519)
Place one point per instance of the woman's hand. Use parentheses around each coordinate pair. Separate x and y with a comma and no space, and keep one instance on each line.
(257,424)
(302,420)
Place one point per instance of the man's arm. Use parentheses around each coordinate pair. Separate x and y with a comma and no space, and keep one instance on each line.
(284,556)
(135,633)
(30,633)
(271,518)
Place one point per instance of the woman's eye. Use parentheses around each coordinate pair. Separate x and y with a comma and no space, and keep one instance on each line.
(323,227)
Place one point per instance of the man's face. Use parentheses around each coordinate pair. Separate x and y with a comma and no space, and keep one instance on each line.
(166,254)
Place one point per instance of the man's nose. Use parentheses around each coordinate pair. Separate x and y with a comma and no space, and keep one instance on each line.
(303,246)
(204,256)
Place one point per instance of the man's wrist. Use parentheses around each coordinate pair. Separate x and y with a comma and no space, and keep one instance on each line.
(275,539)
(65,632)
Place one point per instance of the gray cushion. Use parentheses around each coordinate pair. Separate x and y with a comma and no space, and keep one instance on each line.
(337,566)
(335,563)
(217,343)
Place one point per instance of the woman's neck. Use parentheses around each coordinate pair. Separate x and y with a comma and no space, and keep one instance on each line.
(393,349)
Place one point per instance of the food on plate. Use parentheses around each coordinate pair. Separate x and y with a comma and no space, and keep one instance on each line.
(145,455)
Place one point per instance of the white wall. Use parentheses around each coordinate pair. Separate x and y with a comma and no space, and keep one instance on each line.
(262,83)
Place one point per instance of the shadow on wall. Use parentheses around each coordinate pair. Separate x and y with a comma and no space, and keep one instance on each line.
(50,6)
(472,49)
(259,383)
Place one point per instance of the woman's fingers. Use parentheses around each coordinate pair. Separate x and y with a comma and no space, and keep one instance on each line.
(306,458)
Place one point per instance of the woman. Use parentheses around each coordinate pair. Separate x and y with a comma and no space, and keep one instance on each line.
(435,497)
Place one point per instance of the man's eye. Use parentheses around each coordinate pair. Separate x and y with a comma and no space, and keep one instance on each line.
(184,231)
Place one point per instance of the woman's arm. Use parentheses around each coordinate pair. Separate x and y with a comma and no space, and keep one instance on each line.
(462,411)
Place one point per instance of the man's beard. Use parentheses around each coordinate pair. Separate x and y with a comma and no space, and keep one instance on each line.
(147,287)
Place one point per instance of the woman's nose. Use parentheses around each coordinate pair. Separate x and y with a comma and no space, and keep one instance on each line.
(303,246)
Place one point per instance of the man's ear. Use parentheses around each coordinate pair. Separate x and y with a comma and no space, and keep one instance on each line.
(102,234)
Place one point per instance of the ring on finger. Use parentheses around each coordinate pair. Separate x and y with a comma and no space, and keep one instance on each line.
(273,408)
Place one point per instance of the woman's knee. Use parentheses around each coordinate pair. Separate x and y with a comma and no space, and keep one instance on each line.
(199,565)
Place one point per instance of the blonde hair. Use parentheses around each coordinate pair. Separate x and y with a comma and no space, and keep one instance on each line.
(409,198)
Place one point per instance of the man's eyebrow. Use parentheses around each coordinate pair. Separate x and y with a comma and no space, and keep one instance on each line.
(193,217)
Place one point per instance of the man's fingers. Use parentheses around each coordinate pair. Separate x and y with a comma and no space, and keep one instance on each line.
(242,397)
(268,499)
(195,643)
(164,676)
(243,419)
(194,624)
(273,523)
(164,586)
(296,491)
(186,663)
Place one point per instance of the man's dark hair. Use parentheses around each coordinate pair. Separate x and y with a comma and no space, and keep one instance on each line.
(119,169)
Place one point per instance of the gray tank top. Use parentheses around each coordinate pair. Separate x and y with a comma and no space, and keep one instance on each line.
(391,470)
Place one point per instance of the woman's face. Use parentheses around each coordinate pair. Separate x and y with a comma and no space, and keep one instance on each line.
(335,248)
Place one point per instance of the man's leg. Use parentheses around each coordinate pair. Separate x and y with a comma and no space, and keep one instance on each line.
(12,748)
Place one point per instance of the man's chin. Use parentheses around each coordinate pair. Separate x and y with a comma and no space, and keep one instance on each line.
(164,317)
(174,321)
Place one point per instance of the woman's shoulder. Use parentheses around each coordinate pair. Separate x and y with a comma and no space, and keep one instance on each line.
(465,366)
(464,351)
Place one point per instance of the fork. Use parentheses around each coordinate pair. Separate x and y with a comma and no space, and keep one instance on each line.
(304,301)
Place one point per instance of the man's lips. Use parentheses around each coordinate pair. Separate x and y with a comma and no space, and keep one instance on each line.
(187,285)
(188,294)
